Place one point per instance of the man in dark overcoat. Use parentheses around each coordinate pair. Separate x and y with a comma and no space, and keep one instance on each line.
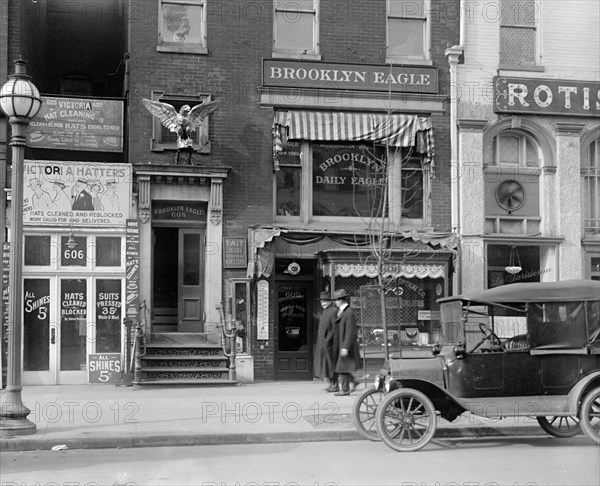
(347,358)
(322,361)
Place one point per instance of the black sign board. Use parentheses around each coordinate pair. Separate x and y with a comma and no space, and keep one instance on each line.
(179,210)
(104,368)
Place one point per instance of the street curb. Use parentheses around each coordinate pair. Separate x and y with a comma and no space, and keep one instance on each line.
(19,444)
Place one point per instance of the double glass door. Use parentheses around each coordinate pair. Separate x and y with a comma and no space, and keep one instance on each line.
(64,320)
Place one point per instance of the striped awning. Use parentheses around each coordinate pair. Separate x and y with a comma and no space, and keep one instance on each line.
(336,126)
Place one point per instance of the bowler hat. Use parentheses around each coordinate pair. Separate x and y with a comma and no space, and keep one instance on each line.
(340,294)
(325,296)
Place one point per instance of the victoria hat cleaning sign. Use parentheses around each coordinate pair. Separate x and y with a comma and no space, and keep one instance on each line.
(77,124)
(76,193)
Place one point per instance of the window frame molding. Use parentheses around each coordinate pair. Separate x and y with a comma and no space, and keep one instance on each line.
(312,54)
(188,48)
(399,59)
(393,221)
(537,55)
(587,139)
(201,142)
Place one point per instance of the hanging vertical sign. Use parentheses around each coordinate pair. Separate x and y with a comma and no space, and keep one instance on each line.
(132,265)
(262,310)
(4,305)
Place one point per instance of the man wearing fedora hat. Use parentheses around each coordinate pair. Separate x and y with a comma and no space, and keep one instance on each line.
(322,362)
(347,357)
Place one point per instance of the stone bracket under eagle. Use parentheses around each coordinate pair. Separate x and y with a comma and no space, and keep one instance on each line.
(183,123)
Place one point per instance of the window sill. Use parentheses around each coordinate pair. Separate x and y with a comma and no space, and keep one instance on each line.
(407,61)
(521,67)
(172,147)
(182,49)
(296,55)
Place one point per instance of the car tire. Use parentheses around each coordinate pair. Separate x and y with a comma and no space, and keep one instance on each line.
(363,413)
(563,427)
(406,420)
(589,415)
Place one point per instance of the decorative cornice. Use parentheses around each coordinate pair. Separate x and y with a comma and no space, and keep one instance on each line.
(471,125)
(569,128)
(309,98)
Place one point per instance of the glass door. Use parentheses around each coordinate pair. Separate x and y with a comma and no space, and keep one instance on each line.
(66,319)
(294,331)
(39,332)
(191,280)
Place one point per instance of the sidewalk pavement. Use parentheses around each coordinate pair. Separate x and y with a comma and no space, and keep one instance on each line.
(107,416)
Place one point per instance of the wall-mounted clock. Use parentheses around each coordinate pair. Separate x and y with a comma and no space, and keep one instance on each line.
(510,195)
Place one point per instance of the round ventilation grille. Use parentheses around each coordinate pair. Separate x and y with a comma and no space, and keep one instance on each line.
(510,195)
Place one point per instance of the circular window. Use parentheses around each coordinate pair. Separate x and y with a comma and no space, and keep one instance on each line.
(510,195)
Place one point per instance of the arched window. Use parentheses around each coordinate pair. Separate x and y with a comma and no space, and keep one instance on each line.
(590,171)
(516,149)
(512,165)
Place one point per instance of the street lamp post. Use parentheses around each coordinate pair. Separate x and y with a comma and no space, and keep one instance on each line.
(20,101)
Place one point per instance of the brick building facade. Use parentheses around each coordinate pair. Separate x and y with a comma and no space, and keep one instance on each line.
(320,108)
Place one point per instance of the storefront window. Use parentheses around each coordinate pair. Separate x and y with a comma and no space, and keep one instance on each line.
(412,188)
(73,324)
(288,180)
(108,316)
(108,251)
(73,251)
(348,180)
(37,250)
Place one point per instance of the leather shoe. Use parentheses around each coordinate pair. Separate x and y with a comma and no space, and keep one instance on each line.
(332,389)
(342,394)
(354,384)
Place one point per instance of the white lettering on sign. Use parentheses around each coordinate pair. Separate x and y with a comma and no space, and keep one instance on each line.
(543,95)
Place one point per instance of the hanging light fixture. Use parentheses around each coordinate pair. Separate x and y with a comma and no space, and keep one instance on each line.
(514,262)
(71,243)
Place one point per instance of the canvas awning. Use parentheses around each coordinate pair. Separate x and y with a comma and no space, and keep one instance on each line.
(397,130)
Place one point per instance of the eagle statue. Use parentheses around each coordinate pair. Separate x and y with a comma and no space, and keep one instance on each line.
(183,123)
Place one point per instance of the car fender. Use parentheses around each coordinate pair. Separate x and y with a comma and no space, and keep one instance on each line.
(576,394)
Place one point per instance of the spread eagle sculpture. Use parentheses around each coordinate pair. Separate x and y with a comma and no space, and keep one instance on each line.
(183,123)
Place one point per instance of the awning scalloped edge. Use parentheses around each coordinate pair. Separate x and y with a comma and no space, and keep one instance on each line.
(390,270)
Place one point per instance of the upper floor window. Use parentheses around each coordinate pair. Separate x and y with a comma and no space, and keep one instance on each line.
(182,26)
(76,85)
(512,195)
(407,31)
(518,33)
(318,181)
(296,29)
(515,150)
(164,139)
(590,171)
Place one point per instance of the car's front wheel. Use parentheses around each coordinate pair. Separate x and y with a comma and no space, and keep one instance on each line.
(406,420)
(589,415)
(563,427)
(363,413)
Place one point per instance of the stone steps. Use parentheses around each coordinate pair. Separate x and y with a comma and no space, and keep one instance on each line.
(190,359)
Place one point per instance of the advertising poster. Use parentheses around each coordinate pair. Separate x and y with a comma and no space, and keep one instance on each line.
(76,193)
(132,267)
(78,124)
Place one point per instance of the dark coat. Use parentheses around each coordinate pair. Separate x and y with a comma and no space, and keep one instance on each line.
(322,363)
(346,337)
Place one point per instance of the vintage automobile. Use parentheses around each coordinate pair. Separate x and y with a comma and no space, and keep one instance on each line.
(519,350)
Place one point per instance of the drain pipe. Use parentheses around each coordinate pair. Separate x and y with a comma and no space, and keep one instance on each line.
(453,56)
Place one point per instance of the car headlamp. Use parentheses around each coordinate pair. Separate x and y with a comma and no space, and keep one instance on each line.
(387,384)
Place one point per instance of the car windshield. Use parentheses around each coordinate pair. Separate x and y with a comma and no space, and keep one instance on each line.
(461,321)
